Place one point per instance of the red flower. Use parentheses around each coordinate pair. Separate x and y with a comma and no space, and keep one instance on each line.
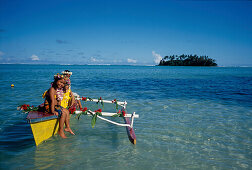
(24,107)
(115,100)
(28,105)
(84,109)
(119,111)
(112,101)
(84,98)
(99,110)
(72,110)
(124,113)
(100,98)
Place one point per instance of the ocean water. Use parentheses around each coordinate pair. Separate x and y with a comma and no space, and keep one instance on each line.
(190,118)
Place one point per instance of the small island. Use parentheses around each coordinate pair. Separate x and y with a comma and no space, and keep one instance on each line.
(187,60)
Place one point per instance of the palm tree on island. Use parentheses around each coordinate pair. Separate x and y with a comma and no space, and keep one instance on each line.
(187,60)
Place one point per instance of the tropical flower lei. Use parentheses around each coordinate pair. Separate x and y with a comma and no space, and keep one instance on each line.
(27,108)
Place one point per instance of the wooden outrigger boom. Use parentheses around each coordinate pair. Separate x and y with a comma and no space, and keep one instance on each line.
(127,123)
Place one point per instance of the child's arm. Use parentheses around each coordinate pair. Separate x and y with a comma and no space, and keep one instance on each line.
(72,99)
(52,98)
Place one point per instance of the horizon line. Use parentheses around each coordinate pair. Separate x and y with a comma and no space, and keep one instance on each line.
(118,65)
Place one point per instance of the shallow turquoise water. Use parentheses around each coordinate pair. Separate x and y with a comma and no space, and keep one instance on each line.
(190,118)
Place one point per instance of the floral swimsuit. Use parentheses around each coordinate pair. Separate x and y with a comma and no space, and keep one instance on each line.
(59,97)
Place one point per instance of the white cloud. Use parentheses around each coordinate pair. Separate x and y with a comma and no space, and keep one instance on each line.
(92,59)
(131,60)
(157,57)
(34,57)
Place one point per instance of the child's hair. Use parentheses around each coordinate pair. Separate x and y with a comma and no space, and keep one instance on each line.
(57,77)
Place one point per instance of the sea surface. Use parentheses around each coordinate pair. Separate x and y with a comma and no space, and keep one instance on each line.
(189,118)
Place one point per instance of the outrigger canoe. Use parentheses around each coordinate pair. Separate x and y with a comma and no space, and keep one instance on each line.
(46,125)
(43,125)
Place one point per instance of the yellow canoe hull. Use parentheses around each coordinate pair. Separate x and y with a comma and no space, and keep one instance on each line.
(43,126)
(44,130)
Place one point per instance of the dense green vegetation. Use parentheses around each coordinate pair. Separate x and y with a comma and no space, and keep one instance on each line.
(187,60)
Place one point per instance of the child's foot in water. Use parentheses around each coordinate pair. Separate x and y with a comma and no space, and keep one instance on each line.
(69,130)
(62,134)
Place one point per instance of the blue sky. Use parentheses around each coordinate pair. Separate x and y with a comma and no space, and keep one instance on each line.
(124,32)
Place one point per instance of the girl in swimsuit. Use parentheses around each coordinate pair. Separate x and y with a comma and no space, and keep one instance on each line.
(68,94)
(52,104)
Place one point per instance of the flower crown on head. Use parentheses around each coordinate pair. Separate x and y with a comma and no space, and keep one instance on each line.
(67,72)
(58,76)
(67,82)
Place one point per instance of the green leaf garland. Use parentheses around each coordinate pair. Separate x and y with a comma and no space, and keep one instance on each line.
(27,108)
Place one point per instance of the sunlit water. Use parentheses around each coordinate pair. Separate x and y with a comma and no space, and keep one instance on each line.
(190,118)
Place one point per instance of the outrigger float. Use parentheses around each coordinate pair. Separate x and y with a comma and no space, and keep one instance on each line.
(45,125)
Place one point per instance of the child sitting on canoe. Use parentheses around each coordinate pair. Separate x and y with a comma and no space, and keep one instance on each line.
(52,104)
(68,99)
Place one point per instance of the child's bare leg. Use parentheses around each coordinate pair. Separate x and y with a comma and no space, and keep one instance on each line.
(61,125)
(79,103)
(67,122)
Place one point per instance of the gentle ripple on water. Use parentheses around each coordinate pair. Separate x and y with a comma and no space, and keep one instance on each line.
(190,118)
